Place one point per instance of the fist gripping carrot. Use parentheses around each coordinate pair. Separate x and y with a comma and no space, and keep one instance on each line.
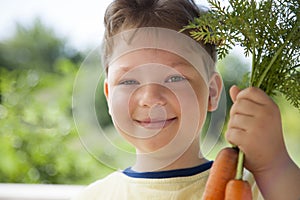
(255,128)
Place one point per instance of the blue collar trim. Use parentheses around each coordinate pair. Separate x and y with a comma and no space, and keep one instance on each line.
(170,173)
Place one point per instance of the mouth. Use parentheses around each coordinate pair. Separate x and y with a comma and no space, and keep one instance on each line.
(155,123)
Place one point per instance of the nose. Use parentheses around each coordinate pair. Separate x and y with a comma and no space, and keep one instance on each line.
(150,95)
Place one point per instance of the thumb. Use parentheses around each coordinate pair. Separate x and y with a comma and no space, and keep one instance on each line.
(234,90)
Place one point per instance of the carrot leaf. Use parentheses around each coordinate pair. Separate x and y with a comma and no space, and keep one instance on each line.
(268,30)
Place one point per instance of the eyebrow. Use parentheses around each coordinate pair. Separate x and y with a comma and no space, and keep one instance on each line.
(180,64)
(124,68)
(176,64)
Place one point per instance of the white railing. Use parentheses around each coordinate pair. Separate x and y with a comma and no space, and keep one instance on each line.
(38,192)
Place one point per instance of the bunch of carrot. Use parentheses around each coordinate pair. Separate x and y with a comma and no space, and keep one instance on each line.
(225,180)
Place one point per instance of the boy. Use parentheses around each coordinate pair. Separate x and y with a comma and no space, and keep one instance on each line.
(159,86)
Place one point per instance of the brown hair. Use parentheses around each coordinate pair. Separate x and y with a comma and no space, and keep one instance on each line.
(123,15)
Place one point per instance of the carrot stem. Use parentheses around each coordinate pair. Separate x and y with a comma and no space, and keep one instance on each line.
(240,166)
(264,74)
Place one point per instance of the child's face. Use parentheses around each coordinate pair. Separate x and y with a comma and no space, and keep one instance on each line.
(154,97)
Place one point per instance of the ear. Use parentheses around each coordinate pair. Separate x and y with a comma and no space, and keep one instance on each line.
(215,89)
(105,89)
(106,93)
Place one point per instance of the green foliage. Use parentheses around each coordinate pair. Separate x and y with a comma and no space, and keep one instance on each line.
(38,139)
(35,47)
(269,30)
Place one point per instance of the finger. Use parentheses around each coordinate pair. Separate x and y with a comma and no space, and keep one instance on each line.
(234,90)
(242,122)
(245,107)
(235,136)
(255,95)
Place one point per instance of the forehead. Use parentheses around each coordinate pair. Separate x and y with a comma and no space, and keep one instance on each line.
(145,56)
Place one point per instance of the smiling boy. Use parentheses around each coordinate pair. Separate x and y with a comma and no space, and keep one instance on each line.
(159,86)
(161,92)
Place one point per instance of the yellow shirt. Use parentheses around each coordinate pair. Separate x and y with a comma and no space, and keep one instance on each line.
(118,186)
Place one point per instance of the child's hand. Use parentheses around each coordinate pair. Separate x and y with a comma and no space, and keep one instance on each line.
(255,127)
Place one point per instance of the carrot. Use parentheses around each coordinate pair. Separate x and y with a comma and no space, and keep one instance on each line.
(222,170)
(238,190)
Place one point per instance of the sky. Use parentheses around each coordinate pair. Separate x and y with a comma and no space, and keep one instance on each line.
(80,21)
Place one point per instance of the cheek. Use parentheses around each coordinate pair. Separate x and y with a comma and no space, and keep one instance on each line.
(201,93)
(119,104)
(202,98)
(193,107)
(189,99)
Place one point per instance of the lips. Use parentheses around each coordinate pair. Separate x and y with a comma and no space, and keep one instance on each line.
(155,123)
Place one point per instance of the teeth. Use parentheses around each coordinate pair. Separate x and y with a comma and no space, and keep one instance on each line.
(154,124)
(155,121)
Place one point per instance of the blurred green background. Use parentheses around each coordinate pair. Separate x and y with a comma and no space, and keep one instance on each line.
(38,139)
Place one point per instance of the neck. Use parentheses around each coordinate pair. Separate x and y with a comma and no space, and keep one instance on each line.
(190,158)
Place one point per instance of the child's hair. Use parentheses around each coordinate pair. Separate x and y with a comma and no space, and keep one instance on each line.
(122,15)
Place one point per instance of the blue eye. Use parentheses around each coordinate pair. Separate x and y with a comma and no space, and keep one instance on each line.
(175,78)
(128,82)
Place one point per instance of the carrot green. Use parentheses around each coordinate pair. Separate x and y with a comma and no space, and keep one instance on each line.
(267,30)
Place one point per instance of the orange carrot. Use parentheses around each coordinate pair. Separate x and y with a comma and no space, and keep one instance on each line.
(222,170)
(238,190)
